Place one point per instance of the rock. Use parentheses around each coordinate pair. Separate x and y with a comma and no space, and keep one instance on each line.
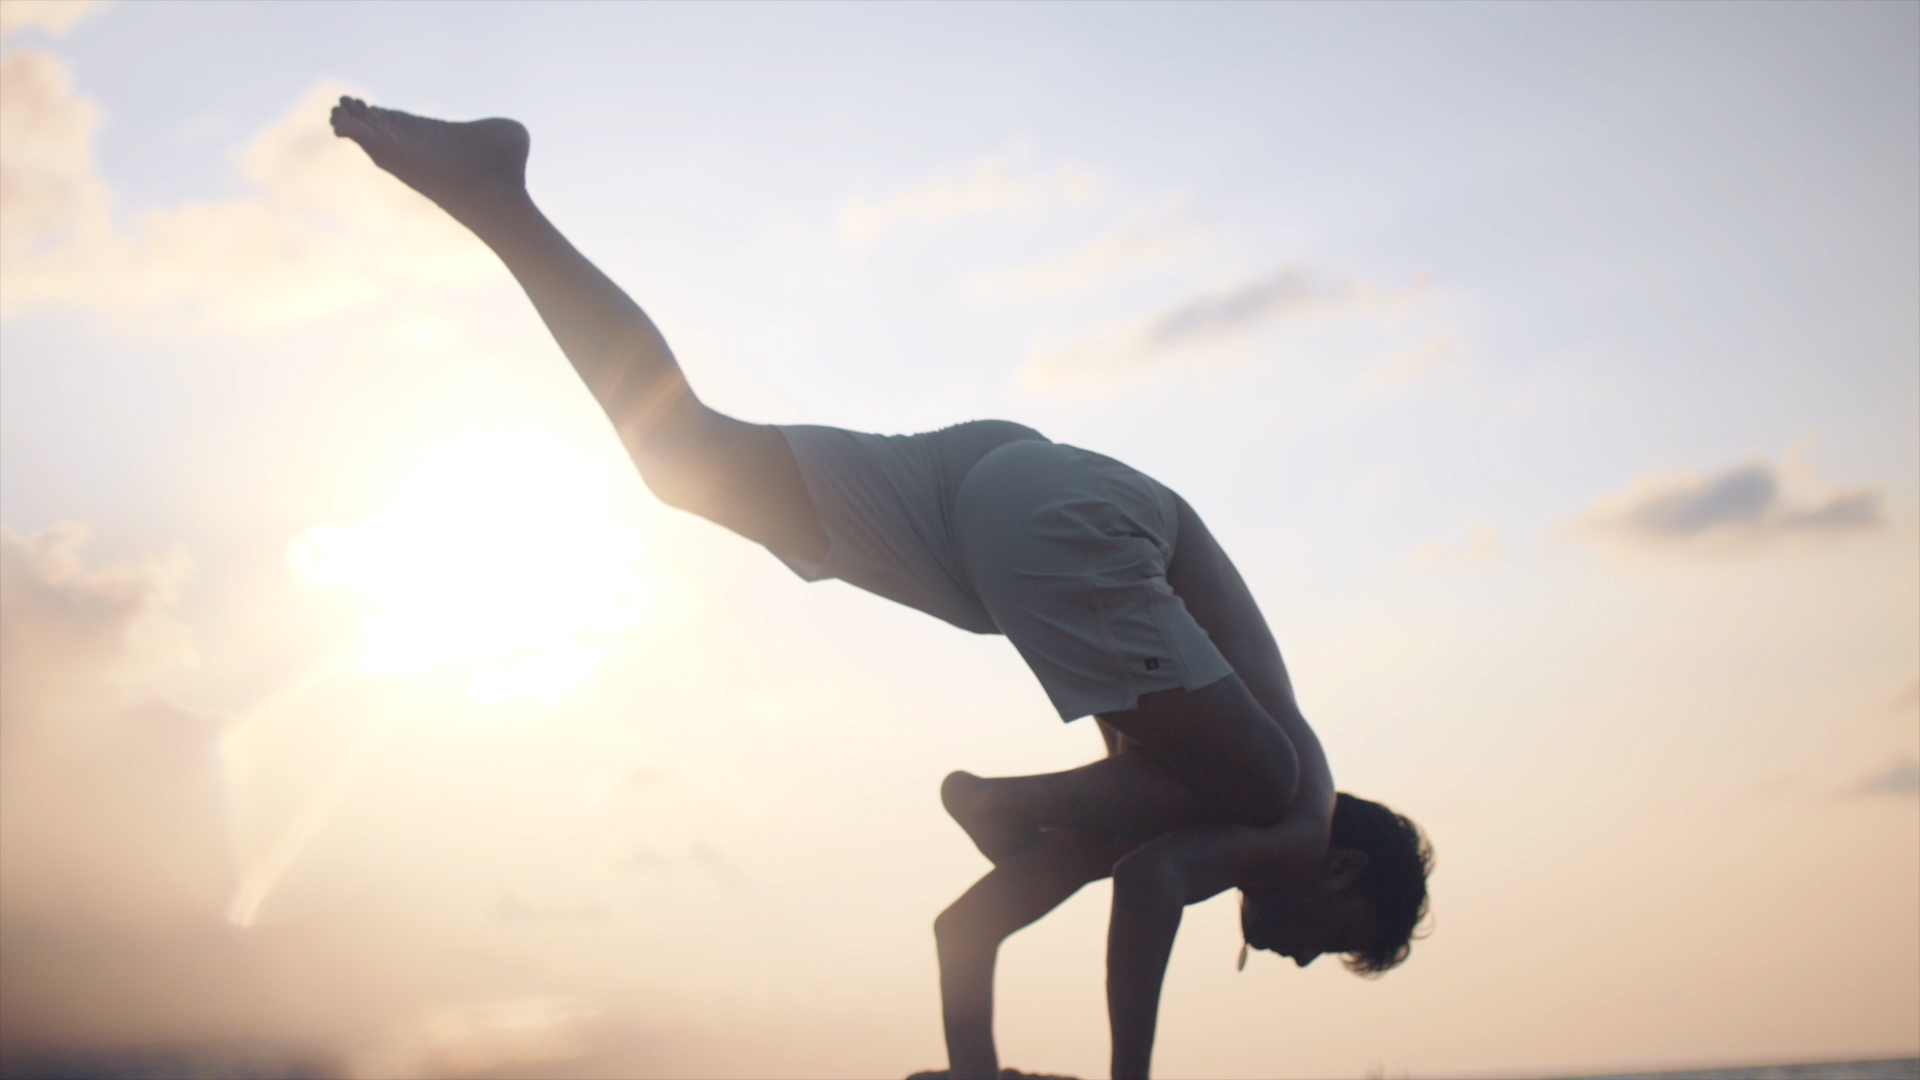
(1005,1074)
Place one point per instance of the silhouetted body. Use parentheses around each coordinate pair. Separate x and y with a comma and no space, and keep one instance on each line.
(1107,582)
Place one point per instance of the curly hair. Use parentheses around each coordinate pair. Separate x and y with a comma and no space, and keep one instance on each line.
(1394,884)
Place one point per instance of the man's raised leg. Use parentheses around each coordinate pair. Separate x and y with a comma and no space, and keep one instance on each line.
(739,475)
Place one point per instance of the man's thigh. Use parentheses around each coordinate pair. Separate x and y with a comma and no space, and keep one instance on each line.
(735,474)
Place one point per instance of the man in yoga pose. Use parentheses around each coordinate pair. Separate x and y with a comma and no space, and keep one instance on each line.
(1106,582)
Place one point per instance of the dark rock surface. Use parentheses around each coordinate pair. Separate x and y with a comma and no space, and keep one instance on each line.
(1005,1074)
(181,1061)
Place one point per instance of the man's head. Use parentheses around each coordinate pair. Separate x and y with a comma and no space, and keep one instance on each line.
(1368,897)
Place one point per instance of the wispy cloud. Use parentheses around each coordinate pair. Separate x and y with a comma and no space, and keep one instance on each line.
(1899,780)
(995,184)
(1203,327)
(1741,507)
(1906,701)
(1479,543)
(47,182)
(717,867)
(53,16)
(70,628)
(1438,355)
(1140,245)
(325,232)
(644,860)
(511,907)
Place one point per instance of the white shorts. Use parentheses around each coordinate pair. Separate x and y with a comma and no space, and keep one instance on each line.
(1068,551)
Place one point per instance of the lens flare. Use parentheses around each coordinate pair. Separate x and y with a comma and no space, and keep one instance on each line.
(261,872)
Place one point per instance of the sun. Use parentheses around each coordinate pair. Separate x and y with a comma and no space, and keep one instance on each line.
(498,562)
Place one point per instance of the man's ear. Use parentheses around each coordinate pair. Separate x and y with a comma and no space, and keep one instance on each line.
(1344,867)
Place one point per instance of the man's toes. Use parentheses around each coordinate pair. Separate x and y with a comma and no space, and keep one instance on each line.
(348,127)
(387,117)
(351,120)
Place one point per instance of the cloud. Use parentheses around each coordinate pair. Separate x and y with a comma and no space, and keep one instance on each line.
(109,799)
(1743,507)
(1480,543)
(989,186)
(1203,327)
(644,778)
(69,630)
(644,860)
(113,854)
(1900,780)
(1437,355)
(47,181)
(717,867)
(512,908)
(1142,244)
(116,865)
(1906,701)
(324,232)
(497,1038)
(53,16)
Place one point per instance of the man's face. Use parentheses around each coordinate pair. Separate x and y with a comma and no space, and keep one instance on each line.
(1307,920)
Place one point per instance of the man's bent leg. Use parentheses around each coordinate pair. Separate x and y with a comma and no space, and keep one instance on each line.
(1127,795)
(1207,756)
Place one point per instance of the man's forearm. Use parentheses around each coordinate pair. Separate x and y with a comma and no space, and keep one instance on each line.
(966,1006)
(1151,887)
(1213,590)
(1146,917)
(1017,892)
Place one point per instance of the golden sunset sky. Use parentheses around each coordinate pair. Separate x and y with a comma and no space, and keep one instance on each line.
(1551,372)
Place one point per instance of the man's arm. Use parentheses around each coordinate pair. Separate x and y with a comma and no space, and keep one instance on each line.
(1150,888)
(1214,592)
(1016,893)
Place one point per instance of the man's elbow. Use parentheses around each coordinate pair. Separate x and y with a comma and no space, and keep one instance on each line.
(1286,781)
(1266,793)
(1144,879)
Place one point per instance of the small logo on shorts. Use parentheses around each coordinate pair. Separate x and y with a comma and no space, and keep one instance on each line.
(1152,664)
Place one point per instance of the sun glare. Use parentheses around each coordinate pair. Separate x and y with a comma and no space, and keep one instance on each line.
(498,562)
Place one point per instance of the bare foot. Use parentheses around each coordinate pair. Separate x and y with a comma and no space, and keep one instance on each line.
(466,168)
(993,827)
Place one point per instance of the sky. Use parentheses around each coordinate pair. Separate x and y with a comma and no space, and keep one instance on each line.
(1551,372)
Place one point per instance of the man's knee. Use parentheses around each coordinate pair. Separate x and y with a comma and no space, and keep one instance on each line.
(740,476)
